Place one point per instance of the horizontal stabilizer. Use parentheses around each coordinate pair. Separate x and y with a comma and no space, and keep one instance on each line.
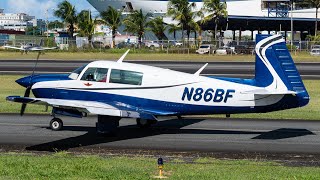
(12,47)
(267,92)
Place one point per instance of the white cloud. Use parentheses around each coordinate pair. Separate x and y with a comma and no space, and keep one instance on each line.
(35,8)
(38,8)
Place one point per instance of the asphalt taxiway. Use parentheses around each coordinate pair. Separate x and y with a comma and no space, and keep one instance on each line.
(31,133)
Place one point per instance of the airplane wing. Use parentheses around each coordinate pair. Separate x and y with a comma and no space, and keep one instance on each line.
(41,48)
(13,47)
(267,92)
(111,108)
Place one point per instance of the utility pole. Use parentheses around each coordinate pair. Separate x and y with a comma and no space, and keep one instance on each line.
(47,26)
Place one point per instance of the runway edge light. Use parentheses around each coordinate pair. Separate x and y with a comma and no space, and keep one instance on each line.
(160,167)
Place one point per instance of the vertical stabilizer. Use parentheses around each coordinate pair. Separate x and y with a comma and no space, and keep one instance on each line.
(275,69)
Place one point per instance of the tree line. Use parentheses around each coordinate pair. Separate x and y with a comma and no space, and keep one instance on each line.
(137,23)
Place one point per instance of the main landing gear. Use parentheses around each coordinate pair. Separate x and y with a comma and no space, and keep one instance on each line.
(106,125)
(56,124)
(145,123)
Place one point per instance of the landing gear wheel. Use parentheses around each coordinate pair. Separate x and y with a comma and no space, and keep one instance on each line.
(107,125)
(56,124)
(143,123)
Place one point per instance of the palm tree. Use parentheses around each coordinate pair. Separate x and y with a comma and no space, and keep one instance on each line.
(196,28)
(112,18)
(173,28)
(200,23)
(183,12)
(136,23)
(86,24)
(217,10)
(67,13)
(55,24)
(157,26)
(316,4)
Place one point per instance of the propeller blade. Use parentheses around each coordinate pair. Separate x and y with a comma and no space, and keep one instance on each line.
(23,106)
(27,92)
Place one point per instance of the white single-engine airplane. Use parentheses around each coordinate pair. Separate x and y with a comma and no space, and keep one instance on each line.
(115,90)
(24,48)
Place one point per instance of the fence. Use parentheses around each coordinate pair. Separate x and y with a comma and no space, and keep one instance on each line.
(169,46)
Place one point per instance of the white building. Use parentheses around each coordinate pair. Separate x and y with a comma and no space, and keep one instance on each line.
(243,15)
(257,8)
(15,21)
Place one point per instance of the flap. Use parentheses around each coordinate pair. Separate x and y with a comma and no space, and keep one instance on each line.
(93,107)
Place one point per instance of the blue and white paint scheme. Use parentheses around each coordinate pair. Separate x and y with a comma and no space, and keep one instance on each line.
(127,90)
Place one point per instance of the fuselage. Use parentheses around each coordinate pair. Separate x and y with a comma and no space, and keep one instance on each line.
(162,90)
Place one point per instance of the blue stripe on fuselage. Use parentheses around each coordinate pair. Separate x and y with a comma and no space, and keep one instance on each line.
(178,108)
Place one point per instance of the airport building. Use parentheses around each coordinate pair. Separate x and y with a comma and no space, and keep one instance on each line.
(17,21)
(243,15)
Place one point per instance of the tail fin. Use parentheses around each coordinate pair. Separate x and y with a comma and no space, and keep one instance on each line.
(275,69)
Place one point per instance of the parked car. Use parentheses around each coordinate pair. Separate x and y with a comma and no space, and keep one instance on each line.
(224,51)
(152,44)
(315,50)
(177,44)
(125,45)
(99,44)
(205,48)
(315,47)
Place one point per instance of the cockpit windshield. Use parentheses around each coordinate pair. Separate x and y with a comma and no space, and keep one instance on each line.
(79,70)
(74,74)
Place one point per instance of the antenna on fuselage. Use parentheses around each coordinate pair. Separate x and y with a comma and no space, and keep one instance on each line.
(123,56)
(200,70)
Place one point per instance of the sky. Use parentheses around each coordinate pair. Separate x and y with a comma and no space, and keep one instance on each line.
(38,8)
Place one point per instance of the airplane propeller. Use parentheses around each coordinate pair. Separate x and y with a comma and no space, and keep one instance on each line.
(28,90)
(23,106)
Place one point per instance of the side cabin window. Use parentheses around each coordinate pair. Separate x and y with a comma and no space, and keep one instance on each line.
(95,74)
(126,77)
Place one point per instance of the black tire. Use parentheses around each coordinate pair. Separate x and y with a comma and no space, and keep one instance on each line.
(143,123)
(56,124)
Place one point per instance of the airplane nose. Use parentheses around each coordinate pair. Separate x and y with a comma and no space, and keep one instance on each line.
(25,81)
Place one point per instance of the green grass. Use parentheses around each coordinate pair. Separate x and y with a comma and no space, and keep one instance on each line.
(143,55)
(10,87)
(311,111)
(65,166)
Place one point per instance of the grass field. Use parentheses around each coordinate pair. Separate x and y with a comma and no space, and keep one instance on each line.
(66,166)
(136,55)
(311,111)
